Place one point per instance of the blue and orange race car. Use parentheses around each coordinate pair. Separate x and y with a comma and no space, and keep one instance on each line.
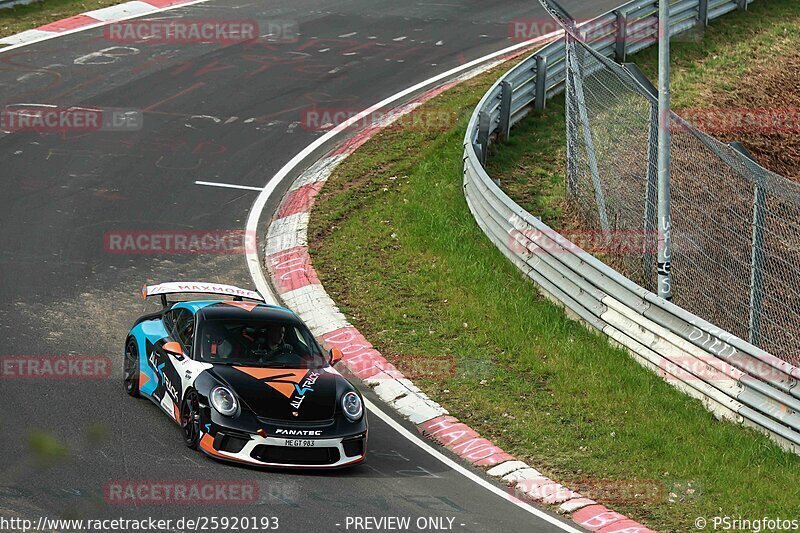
(246,381)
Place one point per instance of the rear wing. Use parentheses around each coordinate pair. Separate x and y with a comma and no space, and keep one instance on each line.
(197,287)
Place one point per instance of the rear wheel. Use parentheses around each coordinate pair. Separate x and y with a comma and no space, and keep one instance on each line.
(190,419)
(130,369)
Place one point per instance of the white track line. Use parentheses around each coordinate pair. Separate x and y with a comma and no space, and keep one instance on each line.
(491,487)
(228,185)
(253,260)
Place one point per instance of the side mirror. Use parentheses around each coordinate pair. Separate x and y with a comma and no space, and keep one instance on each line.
(173,348)
(335,356)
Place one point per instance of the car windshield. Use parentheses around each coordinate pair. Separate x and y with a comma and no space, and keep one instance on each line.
(268,343)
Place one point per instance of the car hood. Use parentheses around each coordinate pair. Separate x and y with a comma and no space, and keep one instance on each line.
(285,393)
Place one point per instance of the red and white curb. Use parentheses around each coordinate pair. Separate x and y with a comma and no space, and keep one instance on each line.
(91,19)
(295,281)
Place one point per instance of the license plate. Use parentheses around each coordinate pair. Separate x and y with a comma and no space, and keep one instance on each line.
(300,443)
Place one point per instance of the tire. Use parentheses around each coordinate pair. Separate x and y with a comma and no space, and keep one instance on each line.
(130,368)
(190,419)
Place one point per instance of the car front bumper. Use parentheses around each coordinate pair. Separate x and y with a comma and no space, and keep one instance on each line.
(269,451)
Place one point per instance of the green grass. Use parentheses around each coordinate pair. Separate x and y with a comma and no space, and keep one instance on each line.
(395,245)
(25,17)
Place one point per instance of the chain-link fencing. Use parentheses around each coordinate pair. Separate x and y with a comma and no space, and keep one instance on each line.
(735,226)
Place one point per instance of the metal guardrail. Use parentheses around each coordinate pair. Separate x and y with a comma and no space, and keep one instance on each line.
(733,379)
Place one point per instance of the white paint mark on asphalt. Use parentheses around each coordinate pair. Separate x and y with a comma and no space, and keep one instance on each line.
(39,72)
(439,43)
(106,56)
(345,35)
(324,50)
(228,185)
(398,39)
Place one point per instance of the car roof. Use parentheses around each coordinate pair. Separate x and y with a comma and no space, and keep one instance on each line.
(241,310)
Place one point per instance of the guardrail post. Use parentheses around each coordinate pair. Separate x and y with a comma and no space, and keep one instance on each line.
(620,52)
(541,83)
(505,110)
(483,135)
(742,4)
(702,13)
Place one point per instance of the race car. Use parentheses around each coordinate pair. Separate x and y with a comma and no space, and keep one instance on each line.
(246,381)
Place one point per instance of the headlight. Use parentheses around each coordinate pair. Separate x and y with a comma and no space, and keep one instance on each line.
(351,405)
(223,401)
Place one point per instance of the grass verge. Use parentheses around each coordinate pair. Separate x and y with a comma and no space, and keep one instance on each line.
(396,247)
(19,18)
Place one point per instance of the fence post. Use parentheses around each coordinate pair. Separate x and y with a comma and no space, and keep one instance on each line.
(572,134)
(757,251)
(620,53)
(651,189)
(541,83)
(702,13)
(757,263)
(574,65)
(483,134)
(505,110)
(664,155)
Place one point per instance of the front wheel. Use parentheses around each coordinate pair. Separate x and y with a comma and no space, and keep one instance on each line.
(190,419)
(130,368)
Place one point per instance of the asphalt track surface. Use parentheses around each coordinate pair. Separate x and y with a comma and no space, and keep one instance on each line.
(214,112)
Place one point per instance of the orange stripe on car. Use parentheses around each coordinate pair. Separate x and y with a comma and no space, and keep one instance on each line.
(247,306)
(280,379)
